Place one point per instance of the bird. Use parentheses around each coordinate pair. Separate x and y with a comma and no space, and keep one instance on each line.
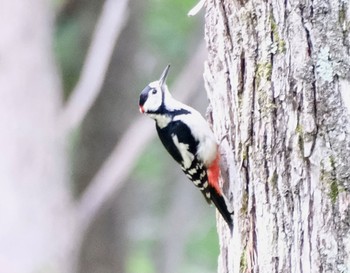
(188,138)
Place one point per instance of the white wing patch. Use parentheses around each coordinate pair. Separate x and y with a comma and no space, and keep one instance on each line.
(207,148)
(192,171)
(187,157)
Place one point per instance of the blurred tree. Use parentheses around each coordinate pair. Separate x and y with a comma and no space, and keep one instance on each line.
(278,81)
(37,224)
(115,108)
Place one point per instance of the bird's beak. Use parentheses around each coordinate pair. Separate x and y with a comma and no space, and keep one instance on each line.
(164,75)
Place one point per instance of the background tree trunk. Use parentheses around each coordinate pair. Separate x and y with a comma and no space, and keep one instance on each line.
(277,77)
(35,206)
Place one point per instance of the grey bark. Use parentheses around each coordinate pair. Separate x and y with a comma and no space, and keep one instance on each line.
(277,78)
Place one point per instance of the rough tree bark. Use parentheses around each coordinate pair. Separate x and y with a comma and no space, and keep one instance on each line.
(277,78)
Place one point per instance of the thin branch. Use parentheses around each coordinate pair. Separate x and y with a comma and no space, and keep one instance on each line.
(116,169)
(110,24)
(196,8)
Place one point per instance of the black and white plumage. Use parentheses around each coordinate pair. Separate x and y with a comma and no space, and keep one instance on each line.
(189,140)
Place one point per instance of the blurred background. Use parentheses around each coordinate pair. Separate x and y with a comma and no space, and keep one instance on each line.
(155,221)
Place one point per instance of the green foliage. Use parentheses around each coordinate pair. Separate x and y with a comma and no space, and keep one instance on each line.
(68,52)
(202,251)
(139,260)
(168,29)
(150,171)
(149,164)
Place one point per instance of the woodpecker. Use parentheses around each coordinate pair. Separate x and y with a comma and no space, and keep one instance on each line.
(189,140)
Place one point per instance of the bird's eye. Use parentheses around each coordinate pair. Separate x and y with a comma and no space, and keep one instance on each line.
(154,91)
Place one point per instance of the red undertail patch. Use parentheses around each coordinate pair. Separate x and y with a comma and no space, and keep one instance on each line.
(214,173)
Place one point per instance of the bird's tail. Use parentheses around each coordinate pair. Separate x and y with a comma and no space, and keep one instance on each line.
(220,204)
(215,192)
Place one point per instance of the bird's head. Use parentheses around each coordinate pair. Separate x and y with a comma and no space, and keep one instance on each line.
(154,94)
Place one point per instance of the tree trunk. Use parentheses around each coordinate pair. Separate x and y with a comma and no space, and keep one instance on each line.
(277,78)
(35,207)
